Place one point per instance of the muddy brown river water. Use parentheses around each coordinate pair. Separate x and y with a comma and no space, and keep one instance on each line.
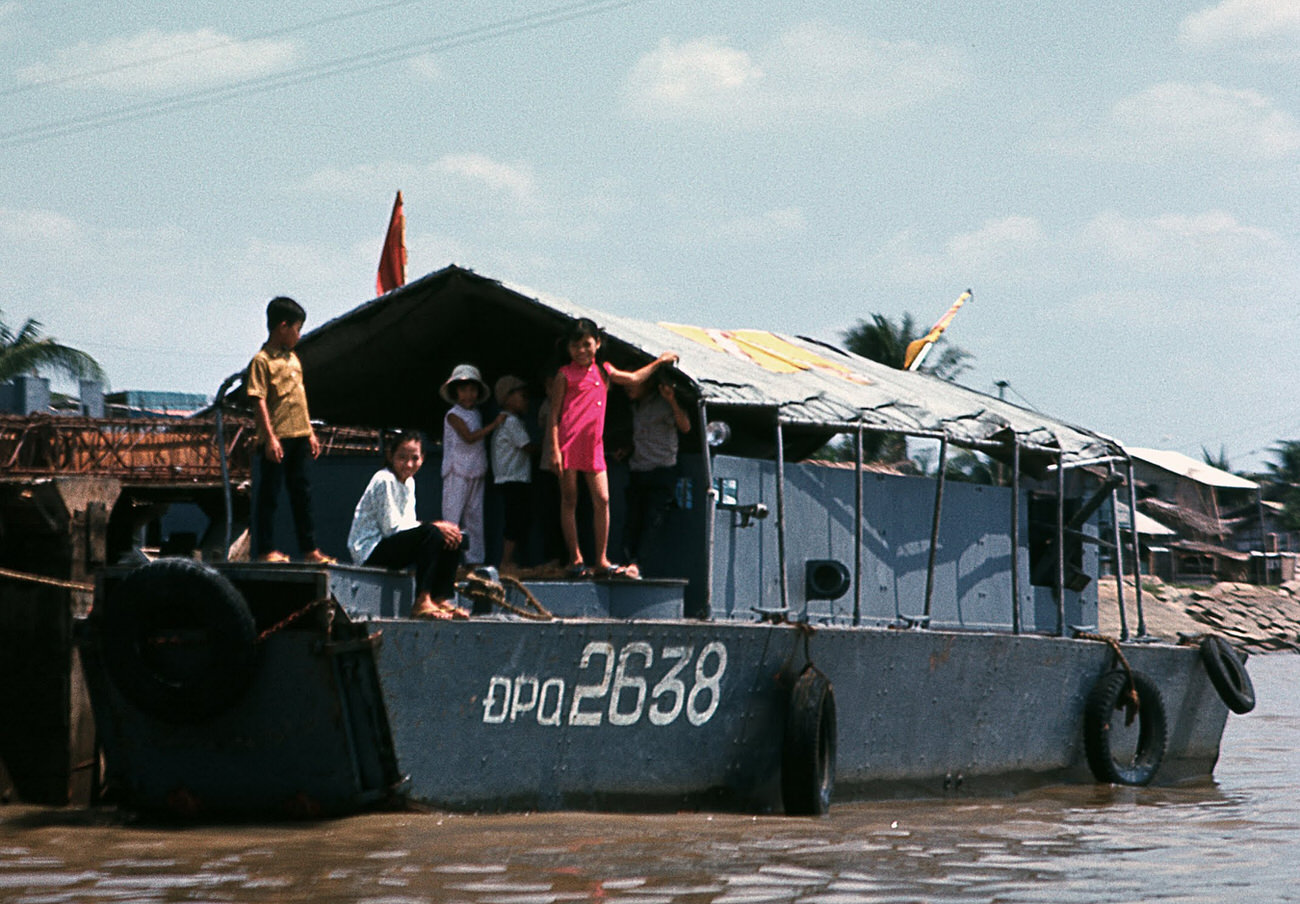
(1235,838)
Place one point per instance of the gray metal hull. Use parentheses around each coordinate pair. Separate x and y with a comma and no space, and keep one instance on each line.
(346,712)
(594,714)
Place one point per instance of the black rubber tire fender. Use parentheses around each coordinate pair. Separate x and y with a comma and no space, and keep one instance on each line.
(1228,674)
(1105,705)
(808,747)
(178,639)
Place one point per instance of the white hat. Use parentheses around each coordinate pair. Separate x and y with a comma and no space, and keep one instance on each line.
(464,373)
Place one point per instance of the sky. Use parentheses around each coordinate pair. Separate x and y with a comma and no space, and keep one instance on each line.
(1116,182)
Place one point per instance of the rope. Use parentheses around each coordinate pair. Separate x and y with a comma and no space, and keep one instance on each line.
(293,617)
(481,589)
(1131,702)
(30,578)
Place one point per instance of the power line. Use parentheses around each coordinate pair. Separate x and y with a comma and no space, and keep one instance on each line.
(195,51)
(304,74)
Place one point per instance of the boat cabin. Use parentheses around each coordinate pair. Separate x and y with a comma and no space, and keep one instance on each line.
(757,532)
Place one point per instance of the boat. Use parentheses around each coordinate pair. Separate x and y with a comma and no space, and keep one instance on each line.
(805,633)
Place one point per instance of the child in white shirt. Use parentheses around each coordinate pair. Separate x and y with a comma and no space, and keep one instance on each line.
(387,534)
(464,455)
(512,467)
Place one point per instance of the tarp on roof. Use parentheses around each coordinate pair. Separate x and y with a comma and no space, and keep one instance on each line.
(381,364)
(1197,471)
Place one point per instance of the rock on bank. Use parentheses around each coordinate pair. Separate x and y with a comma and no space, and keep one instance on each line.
(1252,617)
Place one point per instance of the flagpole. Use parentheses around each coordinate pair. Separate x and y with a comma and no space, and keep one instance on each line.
(919,348)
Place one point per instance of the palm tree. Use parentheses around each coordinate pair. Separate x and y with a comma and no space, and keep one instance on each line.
(883,340)
(1285,471)
(1219,461)
(27,351)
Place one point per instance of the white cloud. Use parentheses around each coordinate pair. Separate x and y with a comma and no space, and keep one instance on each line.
(1270,28)
(41,226)
(156,61)
(771,223)
(698,78)
(6,11)
(814,70)
(997,243)
(1112,251)
(1179,245)
(428,67)
(1175,118)
(510,179)
(1004,250)
(1171,120)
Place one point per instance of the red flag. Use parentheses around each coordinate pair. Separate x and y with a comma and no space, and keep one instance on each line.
(392,260)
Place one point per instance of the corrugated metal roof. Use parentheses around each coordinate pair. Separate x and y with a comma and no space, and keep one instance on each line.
(1146,525)
(1198,471)
(381,362)
(815,383)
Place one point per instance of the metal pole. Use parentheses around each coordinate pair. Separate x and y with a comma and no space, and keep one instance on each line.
(1060,544)
(1263,541)
(710,509)
(857,529)
(780,513)
(1119,560)
(1137,550)
(225,466)
(934,526)
(1015,534)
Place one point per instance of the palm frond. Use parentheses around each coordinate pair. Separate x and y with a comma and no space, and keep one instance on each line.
(30,351)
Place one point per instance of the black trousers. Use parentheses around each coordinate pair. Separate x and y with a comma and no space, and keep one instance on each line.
(649,498)
(423,547)
(291,472)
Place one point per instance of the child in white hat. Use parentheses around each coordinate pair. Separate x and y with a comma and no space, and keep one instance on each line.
(464,456)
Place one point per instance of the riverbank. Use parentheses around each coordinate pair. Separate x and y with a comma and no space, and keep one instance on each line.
(1252,617)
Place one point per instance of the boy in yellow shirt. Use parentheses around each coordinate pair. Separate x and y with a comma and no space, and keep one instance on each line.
(284,433)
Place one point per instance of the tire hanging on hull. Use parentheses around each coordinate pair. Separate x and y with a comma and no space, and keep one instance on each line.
(1115,692)
(1228,674)
(808,748)
(179,641)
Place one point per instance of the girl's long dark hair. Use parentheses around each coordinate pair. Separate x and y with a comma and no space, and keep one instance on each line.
(390,440)
(579,330)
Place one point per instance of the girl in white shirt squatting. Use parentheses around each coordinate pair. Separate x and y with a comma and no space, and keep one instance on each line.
(386,533)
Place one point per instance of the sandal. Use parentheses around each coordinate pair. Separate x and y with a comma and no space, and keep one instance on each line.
(620,571)
(316,557)
(577,572)
(278,558)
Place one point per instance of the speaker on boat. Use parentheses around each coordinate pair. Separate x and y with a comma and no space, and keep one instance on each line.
(825,579)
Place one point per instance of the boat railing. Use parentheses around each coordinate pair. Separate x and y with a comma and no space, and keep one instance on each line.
(1065,528)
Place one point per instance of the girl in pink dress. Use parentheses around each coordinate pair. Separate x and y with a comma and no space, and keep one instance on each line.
(577,425)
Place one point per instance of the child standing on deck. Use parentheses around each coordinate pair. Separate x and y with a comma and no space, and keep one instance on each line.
(464,455)
(577,423)
(512,467)
(657,419)
(284,433)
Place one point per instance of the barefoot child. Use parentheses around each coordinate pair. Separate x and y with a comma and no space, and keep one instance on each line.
(578,395)
(512,468)
(657,419)
(386,533)
(464,455)
(284,432)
